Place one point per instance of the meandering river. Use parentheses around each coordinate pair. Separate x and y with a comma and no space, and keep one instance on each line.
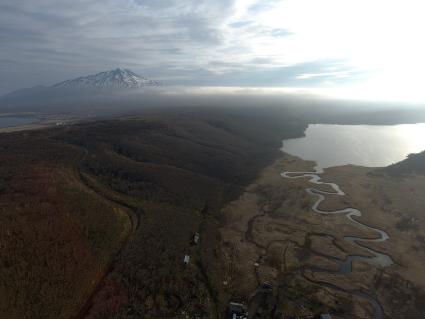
(377,258)
(373,146)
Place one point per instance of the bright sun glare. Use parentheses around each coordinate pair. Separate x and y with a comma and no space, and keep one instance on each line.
(380,39)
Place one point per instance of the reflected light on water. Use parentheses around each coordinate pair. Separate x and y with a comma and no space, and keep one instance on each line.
(364,145)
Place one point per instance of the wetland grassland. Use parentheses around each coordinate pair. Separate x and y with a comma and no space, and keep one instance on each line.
(270,233)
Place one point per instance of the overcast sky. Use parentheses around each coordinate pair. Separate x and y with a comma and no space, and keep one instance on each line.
(368,44)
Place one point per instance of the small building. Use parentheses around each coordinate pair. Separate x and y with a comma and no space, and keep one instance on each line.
(266,286)
(195,238)
(325,316)
(237,311)
(186,259)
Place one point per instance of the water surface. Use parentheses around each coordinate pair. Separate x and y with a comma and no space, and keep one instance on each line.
(365,145)
(10,121)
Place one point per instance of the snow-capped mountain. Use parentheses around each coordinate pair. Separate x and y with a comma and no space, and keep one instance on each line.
(114,79)
(97,89)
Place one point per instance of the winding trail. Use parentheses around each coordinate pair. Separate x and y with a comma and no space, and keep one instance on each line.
(134,217)
(345,266)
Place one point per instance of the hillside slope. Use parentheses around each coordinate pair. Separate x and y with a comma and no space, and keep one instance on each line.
(72,196)
(413,164)
(57,236)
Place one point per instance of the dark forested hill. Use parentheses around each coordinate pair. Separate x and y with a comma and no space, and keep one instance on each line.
(413,164)
(96,217)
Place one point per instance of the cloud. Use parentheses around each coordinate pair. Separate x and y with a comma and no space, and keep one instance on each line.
(221,42)
(83,36)
(263,5)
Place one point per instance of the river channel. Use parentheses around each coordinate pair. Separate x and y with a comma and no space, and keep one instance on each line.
(365,145)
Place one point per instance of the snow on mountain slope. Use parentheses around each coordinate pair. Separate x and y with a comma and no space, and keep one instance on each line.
(114,79)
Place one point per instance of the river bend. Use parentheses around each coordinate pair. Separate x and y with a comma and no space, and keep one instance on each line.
(377,258)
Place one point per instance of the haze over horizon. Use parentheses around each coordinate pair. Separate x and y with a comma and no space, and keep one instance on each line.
(362,49)
(226,159)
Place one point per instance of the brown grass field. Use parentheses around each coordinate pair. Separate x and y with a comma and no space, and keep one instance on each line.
(272,224)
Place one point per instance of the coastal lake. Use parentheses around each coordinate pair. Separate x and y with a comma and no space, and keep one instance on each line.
(365,145)
(10,121)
